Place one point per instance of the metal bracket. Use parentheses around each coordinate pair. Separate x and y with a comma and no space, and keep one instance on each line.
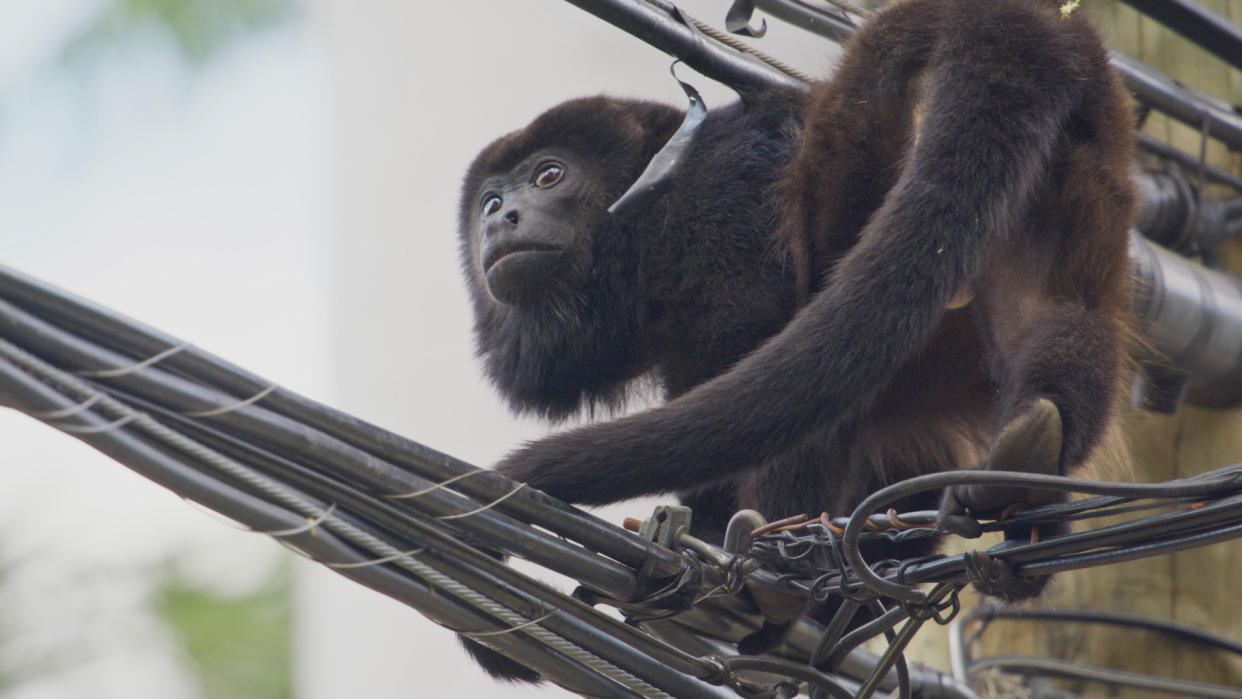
(666,523)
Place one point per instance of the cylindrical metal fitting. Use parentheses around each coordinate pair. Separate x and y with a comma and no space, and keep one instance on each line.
(1191,316)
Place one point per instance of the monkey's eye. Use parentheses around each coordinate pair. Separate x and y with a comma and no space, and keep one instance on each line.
(490,205)
(549,175)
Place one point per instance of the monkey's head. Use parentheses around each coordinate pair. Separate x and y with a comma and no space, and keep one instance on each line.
(543,258)
(535,200)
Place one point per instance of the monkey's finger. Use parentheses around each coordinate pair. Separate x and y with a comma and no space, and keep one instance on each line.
(953,518)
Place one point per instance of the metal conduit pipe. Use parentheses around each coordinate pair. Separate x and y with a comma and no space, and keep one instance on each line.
(1213,32)
(1191,317)
(1170,213)
(1216,118)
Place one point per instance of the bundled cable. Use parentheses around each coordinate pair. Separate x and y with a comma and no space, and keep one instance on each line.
(384,511)
(421,527)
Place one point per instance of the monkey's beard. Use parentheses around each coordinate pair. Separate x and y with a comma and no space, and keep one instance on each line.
(572,346)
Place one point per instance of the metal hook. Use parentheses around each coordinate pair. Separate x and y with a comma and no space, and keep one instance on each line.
(737,20)
(666,164)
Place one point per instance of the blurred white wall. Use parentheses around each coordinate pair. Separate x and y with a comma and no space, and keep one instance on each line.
(198,203)
(418,89)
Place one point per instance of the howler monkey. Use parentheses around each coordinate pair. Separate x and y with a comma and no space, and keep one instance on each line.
(839,290)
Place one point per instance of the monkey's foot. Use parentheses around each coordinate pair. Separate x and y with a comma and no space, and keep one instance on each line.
(994,577)
(780,611)
(1030,443)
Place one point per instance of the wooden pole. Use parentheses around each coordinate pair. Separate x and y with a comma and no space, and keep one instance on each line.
(1202,587)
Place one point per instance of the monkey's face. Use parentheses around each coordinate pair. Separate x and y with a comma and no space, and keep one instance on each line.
(530,227)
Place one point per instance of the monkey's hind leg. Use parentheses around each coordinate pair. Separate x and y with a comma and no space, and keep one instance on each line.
(1060,376)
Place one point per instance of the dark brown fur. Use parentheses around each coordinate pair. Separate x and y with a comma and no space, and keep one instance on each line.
(790,293)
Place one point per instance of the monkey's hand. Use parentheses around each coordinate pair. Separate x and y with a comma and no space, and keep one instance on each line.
(498,666)
(548,465)
(593,465)
(533,466)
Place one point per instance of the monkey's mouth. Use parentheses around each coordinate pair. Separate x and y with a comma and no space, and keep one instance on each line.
(514,253)
(518,273)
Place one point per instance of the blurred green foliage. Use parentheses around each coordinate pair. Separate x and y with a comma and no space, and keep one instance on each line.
(236,646)
(199,28)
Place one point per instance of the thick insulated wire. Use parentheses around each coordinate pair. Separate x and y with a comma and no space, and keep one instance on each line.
(287,498)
